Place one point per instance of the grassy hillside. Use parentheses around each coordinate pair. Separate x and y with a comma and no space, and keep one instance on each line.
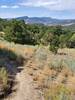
(54,75)
(70,27)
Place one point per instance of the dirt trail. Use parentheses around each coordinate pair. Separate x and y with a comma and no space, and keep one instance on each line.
(25,88)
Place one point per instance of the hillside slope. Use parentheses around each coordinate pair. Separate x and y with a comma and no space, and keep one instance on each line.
(24,88)
(42,73)
(46,20)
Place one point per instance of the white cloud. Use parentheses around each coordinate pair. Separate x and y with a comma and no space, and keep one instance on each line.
(4,6)
(58,5)
(38,3)
(14,7)
(50,4)
(11,7)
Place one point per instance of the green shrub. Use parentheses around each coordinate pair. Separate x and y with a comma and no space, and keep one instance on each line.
(56,64)
(53,48)
(70,64)
(7,54)
(61,92)
(3,78)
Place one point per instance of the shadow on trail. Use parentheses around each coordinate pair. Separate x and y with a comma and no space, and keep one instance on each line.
(13,64)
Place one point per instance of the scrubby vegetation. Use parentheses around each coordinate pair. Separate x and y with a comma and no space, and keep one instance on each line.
(57,85)
(3,79)
(53,71)
(9,63)
(59,92)
(54,74)
(19,32)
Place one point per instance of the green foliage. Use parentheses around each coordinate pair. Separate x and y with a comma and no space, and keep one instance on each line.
(1,28)
(9,63)
(53,48)
(57,64)
(19,32)
(54,44)
(72,41)
(8,54)
(58,30)
(3,80)
(70,63)
(3,77)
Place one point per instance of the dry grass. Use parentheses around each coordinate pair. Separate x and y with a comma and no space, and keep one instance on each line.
(54,74)
(10,60)
(3,80)
(58,92)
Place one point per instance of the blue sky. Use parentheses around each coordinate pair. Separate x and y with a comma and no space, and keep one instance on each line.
(62,9)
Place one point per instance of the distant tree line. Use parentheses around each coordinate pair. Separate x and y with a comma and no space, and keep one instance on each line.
(20,32)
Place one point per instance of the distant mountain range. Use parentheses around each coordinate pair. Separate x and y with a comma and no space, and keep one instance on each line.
(47,20)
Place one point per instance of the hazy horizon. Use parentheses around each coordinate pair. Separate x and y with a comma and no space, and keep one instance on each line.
(38,17)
